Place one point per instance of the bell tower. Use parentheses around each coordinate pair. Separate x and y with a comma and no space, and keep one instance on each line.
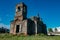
(21,11)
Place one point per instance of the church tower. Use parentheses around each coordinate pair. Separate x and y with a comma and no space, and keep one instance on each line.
(21,11)
(19,24)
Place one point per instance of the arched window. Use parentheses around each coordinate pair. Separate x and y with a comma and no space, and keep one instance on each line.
(19,9)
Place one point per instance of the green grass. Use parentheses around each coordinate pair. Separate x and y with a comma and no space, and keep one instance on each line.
(33,37)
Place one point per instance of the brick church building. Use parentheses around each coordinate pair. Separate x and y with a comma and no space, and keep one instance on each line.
(27,26)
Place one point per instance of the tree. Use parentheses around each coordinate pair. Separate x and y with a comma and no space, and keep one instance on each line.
(50,30)
(55,29)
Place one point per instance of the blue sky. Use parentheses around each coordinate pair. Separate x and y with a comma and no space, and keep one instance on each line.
(49,11)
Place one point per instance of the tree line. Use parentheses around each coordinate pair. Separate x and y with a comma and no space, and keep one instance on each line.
(4,30)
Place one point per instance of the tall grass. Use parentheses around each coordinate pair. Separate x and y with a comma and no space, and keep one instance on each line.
(32,37)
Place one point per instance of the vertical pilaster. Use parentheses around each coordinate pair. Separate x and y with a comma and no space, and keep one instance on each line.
(35,27)
(20,28)
(14,29)
(11,28)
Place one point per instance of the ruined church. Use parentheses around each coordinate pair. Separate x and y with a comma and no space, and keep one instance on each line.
(23,25)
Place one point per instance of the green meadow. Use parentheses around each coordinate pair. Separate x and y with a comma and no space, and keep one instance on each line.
(32,37)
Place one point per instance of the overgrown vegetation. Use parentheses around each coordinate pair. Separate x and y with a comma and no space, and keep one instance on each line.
(32,37)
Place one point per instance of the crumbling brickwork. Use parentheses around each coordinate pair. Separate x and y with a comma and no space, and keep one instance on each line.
(23,25)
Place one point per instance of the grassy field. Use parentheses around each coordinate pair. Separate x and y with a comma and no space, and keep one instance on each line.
(33,37)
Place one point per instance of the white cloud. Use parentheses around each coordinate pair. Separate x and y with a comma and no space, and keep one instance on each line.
(4,25)
(58,29)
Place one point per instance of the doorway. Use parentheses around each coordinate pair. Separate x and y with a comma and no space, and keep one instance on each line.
(17,28)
